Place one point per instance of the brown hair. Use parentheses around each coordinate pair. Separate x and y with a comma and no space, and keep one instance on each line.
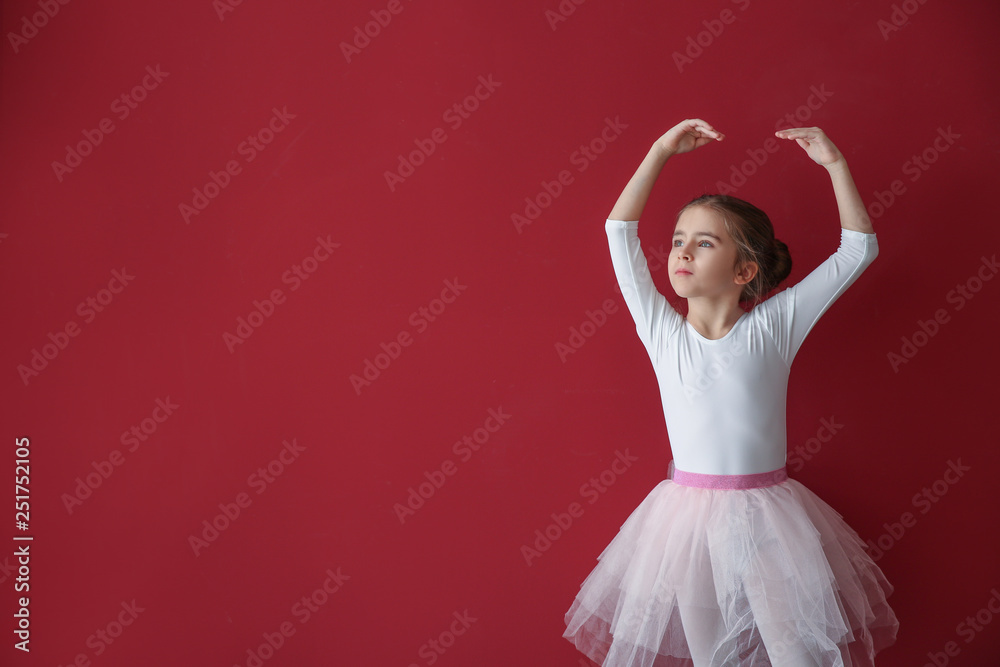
(753,233)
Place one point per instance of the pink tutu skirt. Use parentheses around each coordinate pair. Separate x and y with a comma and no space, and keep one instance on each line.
(722,577)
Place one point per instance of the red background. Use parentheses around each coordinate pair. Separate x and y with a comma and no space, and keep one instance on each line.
(887,92)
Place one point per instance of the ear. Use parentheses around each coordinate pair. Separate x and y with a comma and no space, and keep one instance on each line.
(746,273)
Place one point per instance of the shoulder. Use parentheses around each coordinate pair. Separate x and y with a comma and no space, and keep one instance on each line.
(769,313)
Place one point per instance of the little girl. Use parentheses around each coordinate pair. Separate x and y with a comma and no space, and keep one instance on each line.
(729,563)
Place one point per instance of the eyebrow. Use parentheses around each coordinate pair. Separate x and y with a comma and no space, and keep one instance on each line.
(699,234)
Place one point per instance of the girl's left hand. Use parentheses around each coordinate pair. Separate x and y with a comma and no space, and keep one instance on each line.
(815,143)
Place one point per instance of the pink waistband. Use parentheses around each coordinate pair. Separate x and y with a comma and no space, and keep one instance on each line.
(702,481)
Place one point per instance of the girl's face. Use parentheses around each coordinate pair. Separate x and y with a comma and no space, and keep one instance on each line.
(703,257)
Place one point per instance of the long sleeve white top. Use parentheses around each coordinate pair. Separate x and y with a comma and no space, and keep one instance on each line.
(724,400)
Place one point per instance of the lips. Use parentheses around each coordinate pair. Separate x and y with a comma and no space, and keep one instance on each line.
(683,272)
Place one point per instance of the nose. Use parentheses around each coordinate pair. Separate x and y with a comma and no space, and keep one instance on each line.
(683,251)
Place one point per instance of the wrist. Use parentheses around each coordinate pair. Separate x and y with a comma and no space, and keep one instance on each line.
(838,165)
(661,152)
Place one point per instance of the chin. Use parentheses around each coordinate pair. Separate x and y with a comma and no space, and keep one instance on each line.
(680,291)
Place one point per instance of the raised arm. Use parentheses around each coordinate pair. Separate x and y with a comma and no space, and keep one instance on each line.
(818,146)
(682,138)
(792,314)
(654,317)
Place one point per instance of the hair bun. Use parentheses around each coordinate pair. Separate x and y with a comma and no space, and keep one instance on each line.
(782,265)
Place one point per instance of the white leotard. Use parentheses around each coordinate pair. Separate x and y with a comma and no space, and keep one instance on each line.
(724,400)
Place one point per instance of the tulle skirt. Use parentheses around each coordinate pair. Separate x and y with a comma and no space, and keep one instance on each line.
(761,577)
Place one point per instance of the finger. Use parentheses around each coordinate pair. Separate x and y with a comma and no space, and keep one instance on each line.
(705,128)
(800,133)
(793,134)
(804,140)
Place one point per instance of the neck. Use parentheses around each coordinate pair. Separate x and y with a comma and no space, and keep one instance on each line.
(712,317)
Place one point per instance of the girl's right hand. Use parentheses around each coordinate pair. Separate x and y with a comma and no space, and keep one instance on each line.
(687,136)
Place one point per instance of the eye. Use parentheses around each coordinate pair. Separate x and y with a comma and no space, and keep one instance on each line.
(706,244)
(678,243)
